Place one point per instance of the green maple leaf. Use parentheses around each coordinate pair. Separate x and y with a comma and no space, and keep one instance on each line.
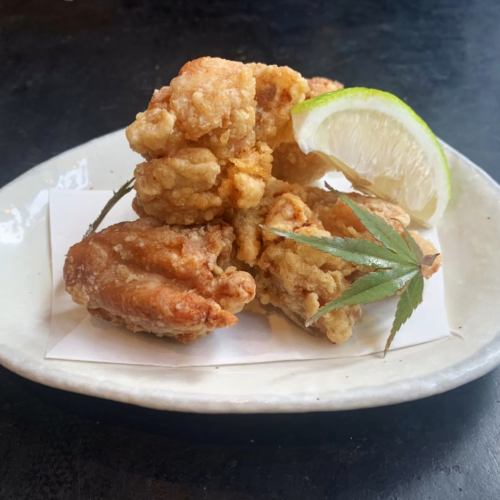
(362,252)
(383,231)
(397,260)
(371,287)
(408,302)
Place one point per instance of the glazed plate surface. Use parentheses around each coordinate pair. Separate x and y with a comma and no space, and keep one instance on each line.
(469,236)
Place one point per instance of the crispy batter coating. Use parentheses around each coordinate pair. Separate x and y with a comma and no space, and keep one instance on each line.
(339,219)
(278,89)
(247,223)
(153,133)
(336,217)
(289,162)
(218,143)
(319,85)
(170,281)
(428,249)
(211,103)
(207,138)
(292,165)
(297,278)
(187,188)
(213,99)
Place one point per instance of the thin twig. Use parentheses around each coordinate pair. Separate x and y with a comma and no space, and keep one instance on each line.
(117,195)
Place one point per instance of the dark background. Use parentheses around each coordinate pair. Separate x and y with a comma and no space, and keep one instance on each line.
(71,71)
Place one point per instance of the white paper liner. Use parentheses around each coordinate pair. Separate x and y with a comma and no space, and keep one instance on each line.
(260,336)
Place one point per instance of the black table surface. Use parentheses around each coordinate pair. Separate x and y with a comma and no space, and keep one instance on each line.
(73,70)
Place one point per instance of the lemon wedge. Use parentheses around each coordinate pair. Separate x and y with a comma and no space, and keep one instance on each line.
(381,145)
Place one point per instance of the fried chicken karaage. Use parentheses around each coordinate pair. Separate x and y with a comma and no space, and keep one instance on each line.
(319,85)
(297,278)
(171,281)
(289,162)
(207,138)
(218,144)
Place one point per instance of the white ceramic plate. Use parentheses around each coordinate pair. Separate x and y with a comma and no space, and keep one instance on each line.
(470,238)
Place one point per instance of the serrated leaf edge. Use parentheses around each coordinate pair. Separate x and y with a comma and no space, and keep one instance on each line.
(413,302)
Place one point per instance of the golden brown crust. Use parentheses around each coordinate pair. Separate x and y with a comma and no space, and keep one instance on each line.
(428,249)
(166,280)
(296,278)
(213,100)
(278,89)
(319,85)
(188,187)
(340,220)
(210,104)
(336,217)
(230,113)
(218,143)
(289,162)
(178,189)
(292,165)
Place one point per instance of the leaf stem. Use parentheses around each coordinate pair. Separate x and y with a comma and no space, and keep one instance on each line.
(117,195)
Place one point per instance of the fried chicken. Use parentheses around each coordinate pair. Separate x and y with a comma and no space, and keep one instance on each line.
(319,85)
(277,90)
(211,137)
(335,216)
(289,162)
(218,144)
(292,165)
(297,278)
(211,103)
(192,186)
(339,219)
(170,281)
(207,138)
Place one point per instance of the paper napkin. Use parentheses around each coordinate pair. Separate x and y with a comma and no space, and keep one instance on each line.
(260,336)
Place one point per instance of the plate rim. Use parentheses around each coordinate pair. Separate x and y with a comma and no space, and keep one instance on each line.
(437,382)
(481,363)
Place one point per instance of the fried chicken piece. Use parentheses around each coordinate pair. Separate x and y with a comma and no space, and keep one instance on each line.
(207,138)
(170,281)
(339,219)
(153,133)
(247,223)
(320,85)
(292,165)
(211,103)
(289,162)
(186,188)
(297,278)
(429,250)
(278,89)
(336,217)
